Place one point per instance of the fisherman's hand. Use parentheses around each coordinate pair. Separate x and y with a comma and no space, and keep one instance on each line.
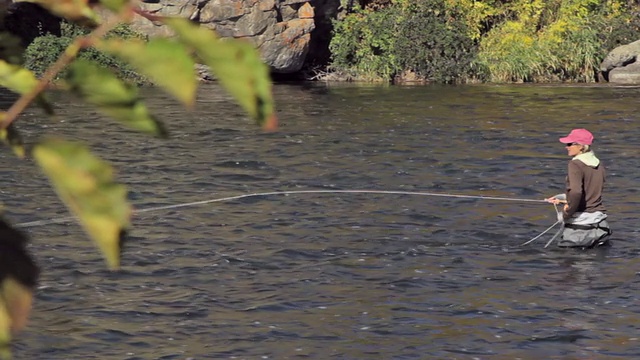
(563,213)
(557,199)
(552,200)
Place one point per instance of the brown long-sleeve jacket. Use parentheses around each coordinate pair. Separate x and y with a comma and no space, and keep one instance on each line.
(584,188)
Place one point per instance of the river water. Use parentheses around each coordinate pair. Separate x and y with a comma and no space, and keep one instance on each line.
(341,275)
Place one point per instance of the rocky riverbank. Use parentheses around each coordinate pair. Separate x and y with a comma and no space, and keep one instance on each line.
(292,36)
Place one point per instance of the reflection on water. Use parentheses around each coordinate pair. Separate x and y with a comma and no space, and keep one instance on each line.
(344,276)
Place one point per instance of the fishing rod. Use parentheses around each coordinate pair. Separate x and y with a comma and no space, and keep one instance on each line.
(295,192)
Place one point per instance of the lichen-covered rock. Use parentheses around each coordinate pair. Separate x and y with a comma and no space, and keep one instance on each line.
(622,64)
(280,29)
(628,75)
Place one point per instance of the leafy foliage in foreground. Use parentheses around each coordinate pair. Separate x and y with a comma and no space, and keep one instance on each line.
(91,65)
(18,275)
(45,50)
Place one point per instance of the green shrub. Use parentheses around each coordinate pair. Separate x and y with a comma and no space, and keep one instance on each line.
(511,53)
(435,45)
(421,36)
(578,54)
(563,40)
(620,30)
(45,50)
(362,45)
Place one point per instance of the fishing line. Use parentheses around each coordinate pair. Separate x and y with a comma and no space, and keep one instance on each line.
(290,192)
(542,233)
(554,236)
(560,221)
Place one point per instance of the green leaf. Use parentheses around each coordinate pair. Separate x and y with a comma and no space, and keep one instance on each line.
(165,61)
(103,89)
(17,299)
(86,186)
(15,306)
(16,78)
(12,49)
(5,331)
(74,10)
(236,64)
(11,137)
(114,5)
(22,81)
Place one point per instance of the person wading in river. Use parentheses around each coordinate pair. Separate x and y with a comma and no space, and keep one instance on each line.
(584,214)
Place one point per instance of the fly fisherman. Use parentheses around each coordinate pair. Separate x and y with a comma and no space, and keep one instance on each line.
(584,214)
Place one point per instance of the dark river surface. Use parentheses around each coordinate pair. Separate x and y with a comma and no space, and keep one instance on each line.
(341,275)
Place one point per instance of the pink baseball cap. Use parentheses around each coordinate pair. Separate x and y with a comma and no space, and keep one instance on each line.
(580,136)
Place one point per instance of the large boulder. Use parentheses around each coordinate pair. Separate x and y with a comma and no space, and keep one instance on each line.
(629,74)
(280,29)
(622,64)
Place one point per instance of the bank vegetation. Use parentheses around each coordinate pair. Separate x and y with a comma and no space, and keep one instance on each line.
(463,41)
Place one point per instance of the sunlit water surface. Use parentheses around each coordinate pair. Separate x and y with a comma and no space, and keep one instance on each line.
(341,276)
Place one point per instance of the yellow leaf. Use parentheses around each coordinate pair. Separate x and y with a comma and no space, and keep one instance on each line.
(5,325)
(17,299)
(16,78)
(86,186)
(107,234)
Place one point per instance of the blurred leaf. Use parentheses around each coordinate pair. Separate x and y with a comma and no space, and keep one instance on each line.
(16,78)
(22,81)
(165,61)
(18,276)
(17,299)
(85,184)
(74,10)
(11,137)
(103,89)
(114,5)
(5,331)
(43,102)
(15,306)
(12,48)
(236,64)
